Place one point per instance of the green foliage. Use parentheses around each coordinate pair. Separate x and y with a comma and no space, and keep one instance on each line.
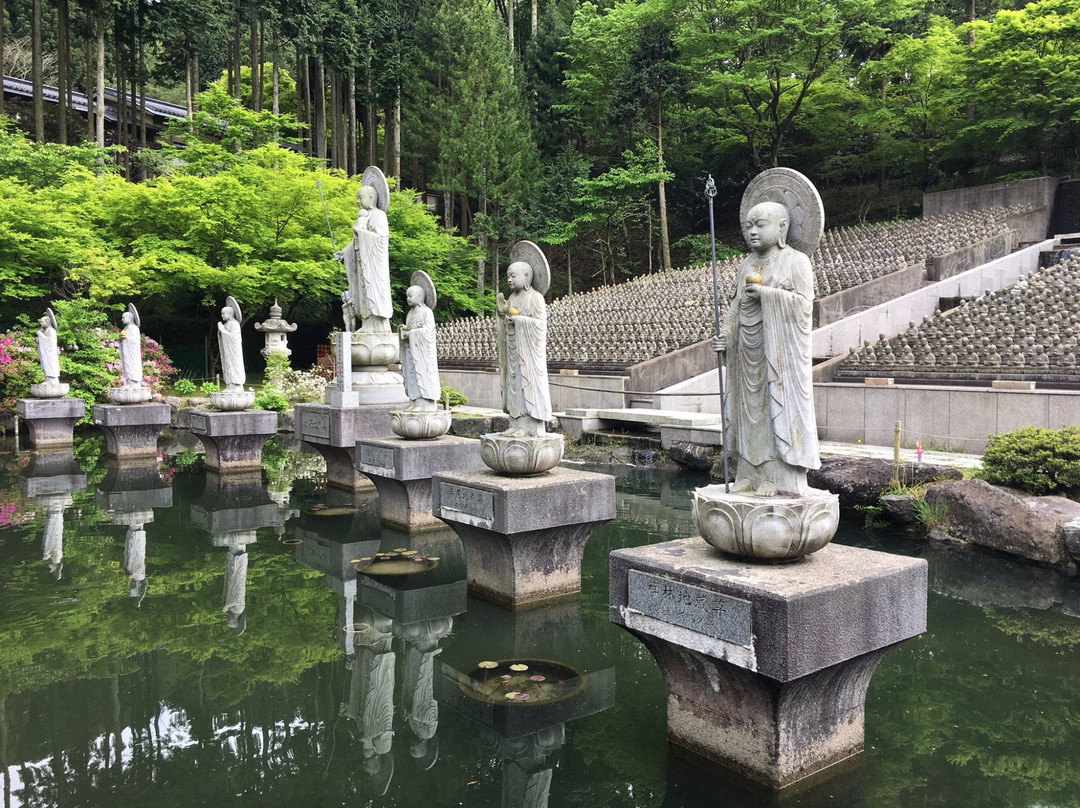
(185,387)
(453,396)
(1025,70)
(931,514)
(1034,459)
(271,400)
(206,388)
(699,252)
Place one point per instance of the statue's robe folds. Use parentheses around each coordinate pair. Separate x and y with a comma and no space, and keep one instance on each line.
(48,353)
(419,362)
(523,357)
(367,266)
(131,356)
(232,354)
(770,393)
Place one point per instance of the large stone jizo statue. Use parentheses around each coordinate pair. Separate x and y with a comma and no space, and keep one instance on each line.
(770,430)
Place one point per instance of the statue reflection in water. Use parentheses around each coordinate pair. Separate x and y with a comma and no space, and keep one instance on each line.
(236,563)
(379,642)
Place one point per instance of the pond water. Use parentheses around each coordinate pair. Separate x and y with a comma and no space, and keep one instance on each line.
(171,638)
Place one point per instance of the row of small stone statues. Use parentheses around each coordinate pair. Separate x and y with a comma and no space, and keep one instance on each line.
(1031,328)
(649,316)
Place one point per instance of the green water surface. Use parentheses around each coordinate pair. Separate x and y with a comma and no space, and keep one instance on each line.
(307,684)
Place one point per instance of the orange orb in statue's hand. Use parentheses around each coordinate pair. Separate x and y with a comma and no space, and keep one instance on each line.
(752,279)
(512,311)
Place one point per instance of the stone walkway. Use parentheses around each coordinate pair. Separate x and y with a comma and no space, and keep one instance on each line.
(957,459)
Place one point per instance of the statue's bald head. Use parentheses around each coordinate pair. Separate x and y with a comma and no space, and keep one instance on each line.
(767,221)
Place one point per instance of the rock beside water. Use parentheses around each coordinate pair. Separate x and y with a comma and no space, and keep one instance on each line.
(1008,521)
(862,480)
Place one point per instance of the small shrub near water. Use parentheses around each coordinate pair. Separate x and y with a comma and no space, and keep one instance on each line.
(1034,459)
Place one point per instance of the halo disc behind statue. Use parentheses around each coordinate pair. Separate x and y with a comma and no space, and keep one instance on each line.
(230,301)
(134,315)
(533,256)
(423,280)
(374,177)
(806,213)
(52,317)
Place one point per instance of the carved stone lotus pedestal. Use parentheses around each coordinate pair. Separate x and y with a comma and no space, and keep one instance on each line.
(780,528)
(420,425)
(402,470)
(767,665)
(233,440)
(230,401)
(523,535)
(49,390)
(129,395)
(51,421)
(372,379)
(131,430)
(521,456)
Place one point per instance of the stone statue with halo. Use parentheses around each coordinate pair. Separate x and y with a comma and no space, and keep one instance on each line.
(366,304)
(770,429)
(230,345)
(48,352)
(422,418)
(131,364)
(521,331)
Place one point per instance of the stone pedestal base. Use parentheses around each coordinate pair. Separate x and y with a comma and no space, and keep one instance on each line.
(402,470)
(233,440)
(333,433)
(767,666)
(523,536)
(51,421)
(777,528)
(131,430)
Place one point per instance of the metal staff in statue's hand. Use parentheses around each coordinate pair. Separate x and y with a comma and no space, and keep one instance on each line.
(719,341)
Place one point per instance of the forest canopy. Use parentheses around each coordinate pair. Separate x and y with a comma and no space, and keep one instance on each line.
(588,126)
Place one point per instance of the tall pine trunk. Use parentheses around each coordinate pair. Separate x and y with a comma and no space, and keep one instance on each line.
(275,73)
(395,152)
(350,100)
(319,92)
(99,121)
(256,77)
(37,72)
(63,60)
(665,241)
(236,50)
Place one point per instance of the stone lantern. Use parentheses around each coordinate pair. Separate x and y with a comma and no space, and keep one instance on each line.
(276,331)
